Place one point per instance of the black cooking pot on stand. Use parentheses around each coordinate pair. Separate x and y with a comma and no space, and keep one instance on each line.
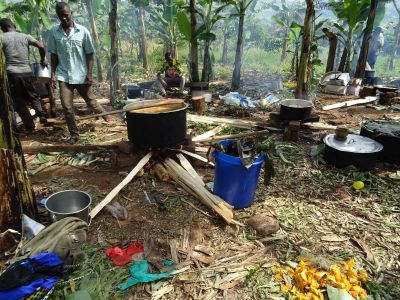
(388,134)
(295,109)
(159,128)
(359,151)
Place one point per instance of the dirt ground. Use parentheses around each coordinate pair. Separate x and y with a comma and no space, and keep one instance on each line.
(320,215)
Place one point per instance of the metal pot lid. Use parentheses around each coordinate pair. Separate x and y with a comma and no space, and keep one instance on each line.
(296,103)
(354,143)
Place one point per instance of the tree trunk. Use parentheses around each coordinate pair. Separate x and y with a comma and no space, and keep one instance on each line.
(349,48)
(114,79)
(16,195)
(303,84)
(343,60)
(224,49)
(194,59)
(362,59)
(285,46)
(206,74)
(143,38)
(337,56)
(239,49)
(396,46)
(330,64)
(95,36)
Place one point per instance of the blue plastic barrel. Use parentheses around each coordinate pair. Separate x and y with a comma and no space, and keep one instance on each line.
(233,182)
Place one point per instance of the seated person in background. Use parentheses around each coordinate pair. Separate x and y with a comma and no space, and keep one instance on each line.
(173,74)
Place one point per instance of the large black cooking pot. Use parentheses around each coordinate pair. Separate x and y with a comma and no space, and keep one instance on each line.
(295,109)
(151,128)
(359,151)
(388,134)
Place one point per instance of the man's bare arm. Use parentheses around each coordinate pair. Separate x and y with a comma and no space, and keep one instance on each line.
(42,51)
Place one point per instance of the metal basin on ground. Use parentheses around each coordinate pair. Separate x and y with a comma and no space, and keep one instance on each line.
(68,203)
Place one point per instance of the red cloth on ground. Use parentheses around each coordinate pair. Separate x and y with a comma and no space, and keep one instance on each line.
(121,257)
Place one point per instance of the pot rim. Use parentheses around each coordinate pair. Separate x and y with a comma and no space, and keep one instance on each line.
(307,103)
(185,106)
(59,213)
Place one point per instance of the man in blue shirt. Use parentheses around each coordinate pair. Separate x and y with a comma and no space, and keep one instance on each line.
(72,54)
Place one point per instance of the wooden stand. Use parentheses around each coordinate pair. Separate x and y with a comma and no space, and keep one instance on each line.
(292,131)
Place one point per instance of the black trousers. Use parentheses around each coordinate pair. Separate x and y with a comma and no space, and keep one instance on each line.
(23,92)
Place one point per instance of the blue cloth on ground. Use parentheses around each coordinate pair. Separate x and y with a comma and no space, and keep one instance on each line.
(43,260)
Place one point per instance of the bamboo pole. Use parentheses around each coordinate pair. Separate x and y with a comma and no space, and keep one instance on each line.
(120,186)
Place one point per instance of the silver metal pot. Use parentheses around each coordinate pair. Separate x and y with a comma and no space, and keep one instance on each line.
(68,203)
(41,73)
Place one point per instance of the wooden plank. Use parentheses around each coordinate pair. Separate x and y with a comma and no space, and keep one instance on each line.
(319,126)
(235,136)
(239,123)
(120,186)
(209,133)
(349,103)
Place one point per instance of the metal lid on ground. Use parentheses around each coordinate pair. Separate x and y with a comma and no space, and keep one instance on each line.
(353,143)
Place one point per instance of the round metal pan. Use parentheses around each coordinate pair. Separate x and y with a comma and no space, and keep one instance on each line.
(359,151)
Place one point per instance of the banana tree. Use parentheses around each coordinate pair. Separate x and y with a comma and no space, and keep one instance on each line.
(287,14)
(353,13)
(32,16)
(209,16)
(15,189)
(164,20)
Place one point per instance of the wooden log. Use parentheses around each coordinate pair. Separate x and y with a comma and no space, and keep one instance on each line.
(349,103)
(199,105)
(120,186)
(45,148)
(235,136)
(184,179)
(209,133)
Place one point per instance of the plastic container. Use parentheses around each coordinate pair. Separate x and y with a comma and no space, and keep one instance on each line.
(233,182)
